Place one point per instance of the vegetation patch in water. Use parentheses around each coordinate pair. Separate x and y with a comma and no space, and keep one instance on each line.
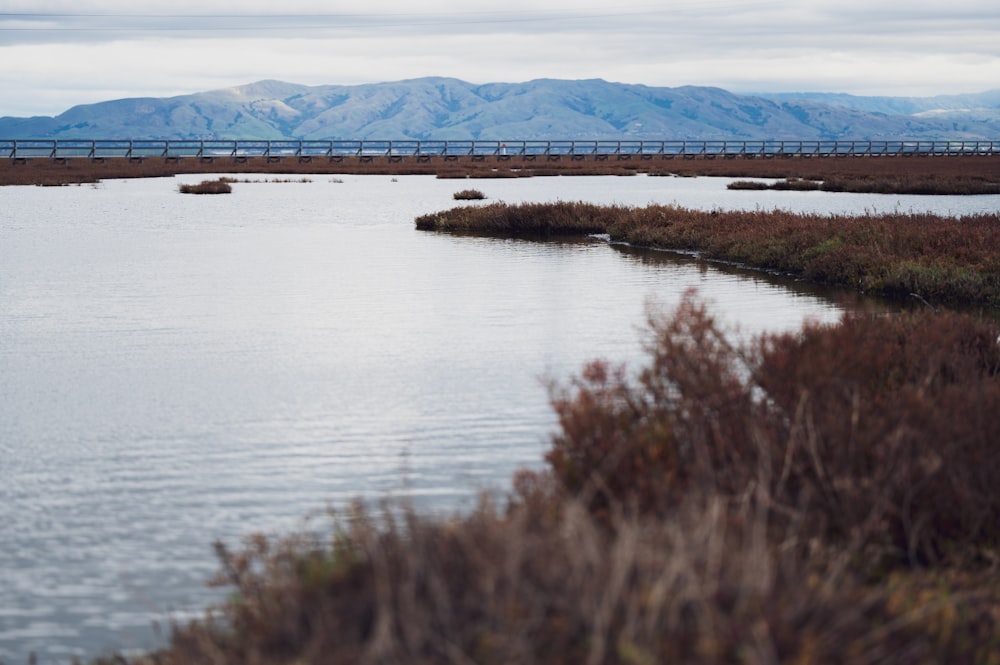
(469,195)
(895,184)
(220,186)
(938,259)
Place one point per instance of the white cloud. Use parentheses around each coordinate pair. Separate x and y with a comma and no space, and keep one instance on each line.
(64,52)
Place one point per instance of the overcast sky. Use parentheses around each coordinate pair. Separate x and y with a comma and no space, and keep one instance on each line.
(55,54)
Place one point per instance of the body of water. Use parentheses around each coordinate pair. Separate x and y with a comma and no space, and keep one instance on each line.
(177,369)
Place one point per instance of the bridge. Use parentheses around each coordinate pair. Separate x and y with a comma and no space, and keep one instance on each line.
(20,151)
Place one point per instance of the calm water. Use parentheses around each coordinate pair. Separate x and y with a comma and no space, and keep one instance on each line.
(180,369)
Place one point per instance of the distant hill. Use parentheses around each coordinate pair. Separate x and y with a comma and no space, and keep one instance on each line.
(446,108)
(982,107)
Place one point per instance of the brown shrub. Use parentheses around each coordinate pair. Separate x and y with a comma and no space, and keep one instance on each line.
(705,585)
(682,427)
(469,195)
(880,431)
(220,186)
(887,428)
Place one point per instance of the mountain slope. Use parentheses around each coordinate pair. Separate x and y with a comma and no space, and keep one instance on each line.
(445,108)
(895,105)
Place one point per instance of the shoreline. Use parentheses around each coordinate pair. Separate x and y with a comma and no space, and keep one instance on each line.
(898,256)
(877,170)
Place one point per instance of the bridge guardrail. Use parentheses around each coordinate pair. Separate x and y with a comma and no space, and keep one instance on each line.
(174,149)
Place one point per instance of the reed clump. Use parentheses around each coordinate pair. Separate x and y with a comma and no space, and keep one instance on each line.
(869,184)
(896,255)
(219,186)
(826,496)
(468,195)
(530,219)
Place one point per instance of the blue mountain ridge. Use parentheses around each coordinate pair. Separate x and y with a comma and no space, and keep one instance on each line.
(451,109)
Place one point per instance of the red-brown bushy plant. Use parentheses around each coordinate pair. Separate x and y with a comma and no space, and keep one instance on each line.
(878,432)
(888,428)
(684,426)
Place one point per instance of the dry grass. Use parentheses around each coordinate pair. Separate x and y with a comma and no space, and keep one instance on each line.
(469,195)
(220,186)
(903,184)
(529,219)
(823,497)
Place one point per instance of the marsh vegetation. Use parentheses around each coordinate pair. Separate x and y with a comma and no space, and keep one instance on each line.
(927,185)
(469,195)
(896,255)
(219,186)
(941,174)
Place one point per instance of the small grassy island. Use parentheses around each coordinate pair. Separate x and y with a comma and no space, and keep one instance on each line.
(220,186)
(469,195)
(938,259)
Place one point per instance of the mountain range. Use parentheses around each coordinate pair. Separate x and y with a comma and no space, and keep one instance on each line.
(451,109)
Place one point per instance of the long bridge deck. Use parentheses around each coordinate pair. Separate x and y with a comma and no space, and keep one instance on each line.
(20,151)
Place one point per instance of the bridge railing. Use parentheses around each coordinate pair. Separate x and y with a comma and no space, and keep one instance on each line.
(138,149)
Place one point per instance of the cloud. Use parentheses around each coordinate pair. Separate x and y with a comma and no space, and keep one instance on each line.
(81,51)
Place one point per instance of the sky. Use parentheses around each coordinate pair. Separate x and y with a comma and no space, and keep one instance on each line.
(55,54)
